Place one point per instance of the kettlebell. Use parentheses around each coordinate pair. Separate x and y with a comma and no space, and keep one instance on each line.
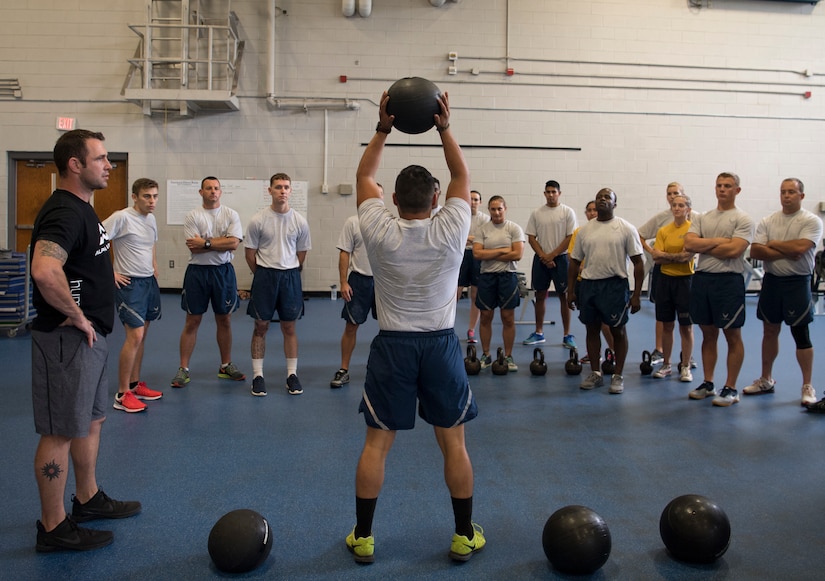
(472,364)
(609,363)
(573,366)
(538,366)
(500,364)
(646,367)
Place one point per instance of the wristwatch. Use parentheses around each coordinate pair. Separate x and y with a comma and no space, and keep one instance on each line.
(207,244)
(380,129)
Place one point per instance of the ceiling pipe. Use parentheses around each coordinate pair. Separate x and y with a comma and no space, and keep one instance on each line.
(347,8)
(309,103)
(437,3)
(270,74)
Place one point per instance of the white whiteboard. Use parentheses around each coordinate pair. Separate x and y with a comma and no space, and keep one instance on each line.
(244,196)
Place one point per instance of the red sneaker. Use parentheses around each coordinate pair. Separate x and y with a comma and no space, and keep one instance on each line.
(128,403)
(143,392)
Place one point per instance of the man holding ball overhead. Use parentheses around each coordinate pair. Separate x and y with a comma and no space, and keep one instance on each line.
(416,356)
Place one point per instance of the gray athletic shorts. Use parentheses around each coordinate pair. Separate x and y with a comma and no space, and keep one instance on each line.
(70,386)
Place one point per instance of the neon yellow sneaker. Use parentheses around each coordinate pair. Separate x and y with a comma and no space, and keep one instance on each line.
(362,548)
(463,548)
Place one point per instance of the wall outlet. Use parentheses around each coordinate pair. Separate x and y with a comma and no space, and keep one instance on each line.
(171,264)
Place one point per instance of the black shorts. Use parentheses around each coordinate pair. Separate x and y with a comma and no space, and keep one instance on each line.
(470,270)
(673,298)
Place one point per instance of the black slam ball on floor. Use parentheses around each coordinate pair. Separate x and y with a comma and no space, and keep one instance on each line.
(413,102)
(240,541)
(576,540)
(695,529)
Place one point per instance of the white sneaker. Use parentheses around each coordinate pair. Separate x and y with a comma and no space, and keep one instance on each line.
(726,397)
(685,375)
(760,386)
(808,394)
(616,383)
(663,371)
(703,391)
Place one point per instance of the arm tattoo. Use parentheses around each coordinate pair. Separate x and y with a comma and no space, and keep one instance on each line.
(51,470)
(52,250)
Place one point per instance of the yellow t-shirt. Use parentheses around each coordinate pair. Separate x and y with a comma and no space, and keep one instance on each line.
(671,239)
(570,251)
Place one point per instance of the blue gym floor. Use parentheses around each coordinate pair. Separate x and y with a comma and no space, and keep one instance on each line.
(539,443)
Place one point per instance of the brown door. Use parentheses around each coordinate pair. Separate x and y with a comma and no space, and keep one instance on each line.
(36,181)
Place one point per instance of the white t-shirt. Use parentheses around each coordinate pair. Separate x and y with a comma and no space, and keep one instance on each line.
(352,242)
(278,238)
(649,229)
(415,264)
(551,225)
(722,224)
(136,235)
(476,222)
(802,225)
(499,236)
(217,223)
(605,248)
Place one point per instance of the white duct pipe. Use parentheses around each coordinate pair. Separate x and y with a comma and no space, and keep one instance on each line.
(364,8)
(437,3)
(270,74)
(308,103)
(347,7)
(324,184)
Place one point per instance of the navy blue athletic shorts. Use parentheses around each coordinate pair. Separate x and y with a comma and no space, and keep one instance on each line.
(718,299)
(786,298)
(203,285)
(363,299)
(605,300)
(404,367)
(138,302)
(276,290)
(497,289)
(544,275)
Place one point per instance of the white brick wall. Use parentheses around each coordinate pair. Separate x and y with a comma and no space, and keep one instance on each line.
(70,57)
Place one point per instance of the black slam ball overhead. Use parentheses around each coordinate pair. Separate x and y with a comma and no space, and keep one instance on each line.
(413,102)
(240,541)
(576,540)
(695,529)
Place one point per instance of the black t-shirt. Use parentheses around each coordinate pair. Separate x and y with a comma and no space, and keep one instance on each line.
(72,224)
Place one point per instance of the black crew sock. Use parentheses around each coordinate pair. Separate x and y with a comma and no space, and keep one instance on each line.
(364,511)
(133,384)
(463,513)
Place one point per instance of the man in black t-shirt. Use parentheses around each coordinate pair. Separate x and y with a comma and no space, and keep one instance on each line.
(74,297)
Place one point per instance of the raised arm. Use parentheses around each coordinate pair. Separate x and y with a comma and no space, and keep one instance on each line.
(365,185)
(459,171)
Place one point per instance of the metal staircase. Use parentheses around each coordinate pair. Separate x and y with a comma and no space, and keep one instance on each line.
(187,59)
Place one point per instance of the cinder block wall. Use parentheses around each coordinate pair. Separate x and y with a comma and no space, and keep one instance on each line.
(645,92)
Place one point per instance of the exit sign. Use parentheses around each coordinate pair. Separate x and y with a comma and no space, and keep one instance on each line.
(65,123)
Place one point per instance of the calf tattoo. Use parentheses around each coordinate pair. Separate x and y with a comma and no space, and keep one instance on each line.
(51,470)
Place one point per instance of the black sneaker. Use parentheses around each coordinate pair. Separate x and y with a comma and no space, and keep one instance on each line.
(293,385)
(101,506)
(67,536)
(258,386)
(816,408)
(341,377)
